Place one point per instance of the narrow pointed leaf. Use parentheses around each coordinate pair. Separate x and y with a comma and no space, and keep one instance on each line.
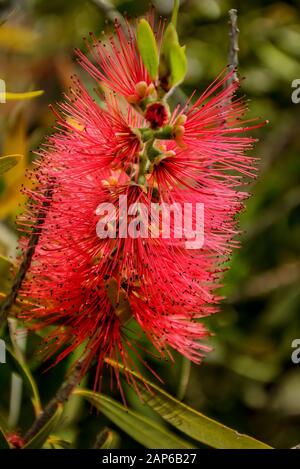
(189,421)
(170,37)
(173,61)
(8,162)
(143,430)
(148,47)
(40,438)
(23,370)
(178,64)
(23,96)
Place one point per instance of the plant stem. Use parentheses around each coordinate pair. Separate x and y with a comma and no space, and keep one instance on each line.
(109,11)
(234,44)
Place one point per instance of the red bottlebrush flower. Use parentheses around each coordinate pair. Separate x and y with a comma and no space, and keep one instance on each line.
(87,286)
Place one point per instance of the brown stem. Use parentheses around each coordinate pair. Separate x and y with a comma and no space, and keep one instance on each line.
(33,241)
(61,397)
(234,44)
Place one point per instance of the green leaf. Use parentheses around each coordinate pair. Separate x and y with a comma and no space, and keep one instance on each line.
(8,162)
(170,37)
(40,438)
(173,61)
(23,370)
(140,428)
(148,47)
(3,441)
(188,420)
(178,64)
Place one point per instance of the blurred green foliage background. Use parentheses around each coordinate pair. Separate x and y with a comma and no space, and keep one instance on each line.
(249,382)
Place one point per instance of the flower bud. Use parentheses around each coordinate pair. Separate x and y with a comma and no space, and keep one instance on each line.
(180,120)
(141,89)
(133,99)
(157,115)
(179,131)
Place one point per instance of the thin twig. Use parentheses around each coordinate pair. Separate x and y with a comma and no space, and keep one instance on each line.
(234,44)
(33,241)
(61,397)
(109,11)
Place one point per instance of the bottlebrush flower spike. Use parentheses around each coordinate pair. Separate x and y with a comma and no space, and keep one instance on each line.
(99,263)
(118,63)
